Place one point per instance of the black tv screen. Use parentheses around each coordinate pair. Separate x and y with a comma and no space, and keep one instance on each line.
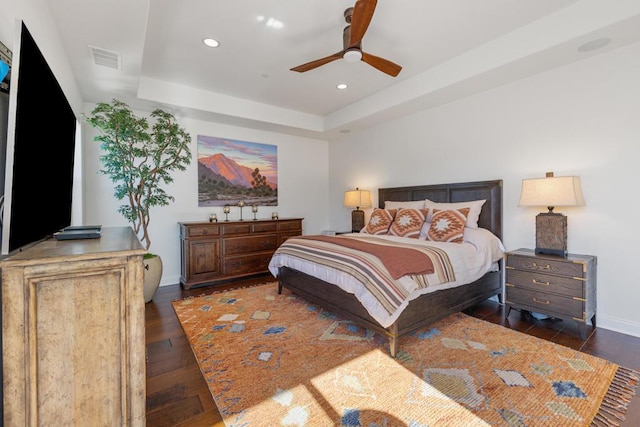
(40,161)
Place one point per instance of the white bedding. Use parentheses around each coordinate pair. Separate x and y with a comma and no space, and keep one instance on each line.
(477,255)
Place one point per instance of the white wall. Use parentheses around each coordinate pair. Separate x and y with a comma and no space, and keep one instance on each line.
(302,188)
(582,119)
(37,17)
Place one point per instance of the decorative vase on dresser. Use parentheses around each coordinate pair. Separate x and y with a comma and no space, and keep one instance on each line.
(561,287)
(73,332)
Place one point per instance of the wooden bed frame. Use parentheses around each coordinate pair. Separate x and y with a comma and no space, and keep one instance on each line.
(427,308)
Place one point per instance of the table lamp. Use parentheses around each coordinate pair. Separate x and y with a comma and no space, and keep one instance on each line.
(551,227)
(356,199)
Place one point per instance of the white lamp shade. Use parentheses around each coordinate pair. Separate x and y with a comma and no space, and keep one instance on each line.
(551,191)
(357,198)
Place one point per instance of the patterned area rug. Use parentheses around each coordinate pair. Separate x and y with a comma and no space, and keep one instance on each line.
(274,359)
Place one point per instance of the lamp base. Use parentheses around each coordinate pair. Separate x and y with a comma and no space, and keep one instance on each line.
(551,234)
(357,220)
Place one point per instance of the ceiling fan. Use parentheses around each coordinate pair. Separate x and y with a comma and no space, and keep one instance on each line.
(358,17)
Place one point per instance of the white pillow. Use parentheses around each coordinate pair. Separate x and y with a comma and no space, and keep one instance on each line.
(481,237)
(475,207)
(418,204)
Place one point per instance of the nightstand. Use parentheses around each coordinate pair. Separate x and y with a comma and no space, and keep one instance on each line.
(561,287)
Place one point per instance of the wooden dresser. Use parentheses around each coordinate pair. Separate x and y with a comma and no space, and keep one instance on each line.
(73,332)
(216,251)
(561,287)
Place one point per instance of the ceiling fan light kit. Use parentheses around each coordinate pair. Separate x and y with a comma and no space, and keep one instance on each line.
(358,17)
(352,55)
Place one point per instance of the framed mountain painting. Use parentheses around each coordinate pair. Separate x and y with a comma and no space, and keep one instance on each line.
(231,171)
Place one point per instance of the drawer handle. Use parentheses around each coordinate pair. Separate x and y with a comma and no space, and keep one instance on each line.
(205,231)
(546,267)
(540,302)
(540,283)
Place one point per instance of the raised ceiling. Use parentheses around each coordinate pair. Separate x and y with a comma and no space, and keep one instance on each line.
(447,49)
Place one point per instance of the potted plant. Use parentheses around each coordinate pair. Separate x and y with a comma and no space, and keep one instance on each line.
(139,156)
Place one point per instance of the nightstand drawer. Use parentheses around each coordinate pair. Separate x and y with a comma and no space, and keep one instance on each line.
(546,303)
(547,265)
(540,282)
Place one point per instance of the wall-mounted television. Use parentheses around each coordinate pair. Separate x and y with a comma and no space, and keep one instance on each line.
(40,148)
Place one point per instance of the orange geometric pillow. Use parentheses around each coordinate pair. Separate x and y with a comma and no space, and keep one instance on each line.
(380,221)
(408,222)
(448,225)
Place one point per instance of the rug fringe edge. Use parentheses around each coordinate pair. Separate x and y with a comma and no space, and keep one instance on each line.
(614,406)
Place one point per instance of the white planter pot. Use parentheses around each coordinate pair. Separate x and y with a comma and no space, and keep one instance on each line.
(152,276)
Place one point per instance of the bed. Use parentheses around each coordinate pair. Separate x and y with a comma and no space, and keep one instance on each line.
(425,308)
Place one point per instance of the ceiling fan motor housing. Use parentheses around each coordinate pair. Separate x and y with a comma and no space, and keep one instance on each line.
(348,13)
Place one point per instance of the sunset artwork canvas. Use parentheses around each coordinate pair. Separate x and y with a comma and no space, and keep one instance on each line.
(232,171)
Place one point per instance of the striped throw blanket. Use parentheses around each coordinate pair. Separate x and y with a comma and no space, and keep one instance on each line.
(368,260)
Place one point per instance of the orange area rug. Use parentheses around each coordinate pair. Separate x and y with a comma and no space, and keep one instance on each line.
(274,359)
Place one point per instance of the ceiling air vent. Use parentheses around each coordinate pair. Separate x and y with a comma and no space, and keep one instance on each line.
(105,58)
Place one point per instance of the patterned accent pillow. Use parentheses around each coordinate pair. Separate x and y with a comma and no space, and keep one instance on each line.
(475,208)
(408,222)
(380,221)
(448,225)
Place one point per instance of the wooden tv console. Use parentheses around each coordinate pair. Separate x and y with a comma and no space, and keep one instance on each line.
(73,332)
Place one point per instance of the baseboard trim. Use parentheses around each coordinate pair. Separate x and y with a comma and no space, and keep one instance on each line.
(169,280)
(618,325)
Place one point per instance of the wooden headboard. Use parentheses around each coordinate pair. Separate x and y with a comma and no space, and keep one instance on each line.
(491,191)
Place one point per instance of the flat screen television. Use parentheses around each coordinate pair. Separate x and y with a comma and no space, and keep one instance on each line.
(40,149)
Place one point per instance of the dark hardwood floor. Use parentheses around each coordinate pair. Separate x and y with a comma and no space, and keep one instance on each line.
(177,394)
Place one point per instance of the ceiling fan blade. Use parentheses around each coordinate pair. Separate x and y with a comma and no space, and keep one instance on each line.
(362,14)
(318,62)
(382,64)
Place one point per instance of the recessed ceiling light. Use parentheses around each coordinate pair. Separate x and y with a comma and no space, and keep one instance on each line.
(342,86)
(594,44)
(211,42)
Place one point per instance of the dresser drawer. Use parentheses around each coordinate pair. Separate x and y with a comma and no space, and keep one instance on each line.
(243,245)
(541,282)
(546,265)
(546,303)
(238,228)
(289,225)
(246,264)
(263,227)
(203,230)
